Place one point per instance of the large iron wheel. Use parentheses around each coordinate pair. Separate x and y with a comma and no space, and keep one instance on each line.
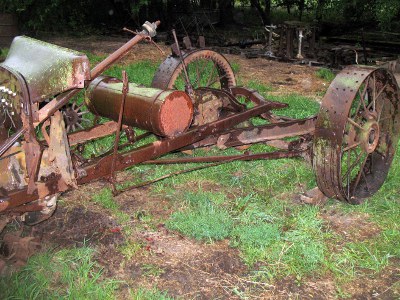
(356,133)
(206,68)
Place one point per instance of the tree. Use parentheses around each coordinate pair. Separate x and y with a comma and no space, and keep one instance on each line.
(320,9)
(226,11)
(264,12)
(386,12)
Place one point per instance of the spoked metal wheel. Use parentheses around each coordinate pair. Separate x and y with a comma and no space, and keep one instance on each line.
(356,133)
(76,116)
(206,68)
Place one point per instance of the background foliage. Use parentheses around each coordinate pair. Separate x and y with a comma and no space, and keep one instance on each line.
(89,15)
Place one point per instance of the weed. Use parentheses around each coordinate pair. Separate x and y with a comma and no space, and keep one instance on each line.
(153,294)
(130,248)
(299,106)
(235,67)
(203,220)
(325,74)
(299,250)
(66,274)
(105,198)
(256,241)
(152,270)
(259,87)
(3,53)
(141,72)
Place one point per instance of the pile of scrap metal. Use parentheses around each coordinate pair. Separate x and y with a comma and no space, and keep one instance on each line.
(193,102)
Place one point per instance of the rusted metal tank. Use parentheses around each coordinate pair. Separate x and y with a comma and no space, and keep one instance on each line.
(162,112)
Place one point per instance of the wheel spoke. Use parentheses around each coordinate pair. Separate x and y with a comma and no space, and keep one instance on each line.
(373,87)
(352,122)
(219,78)
(353,165)
(81,113)
(362,97)
(359,174)
(211,76)
(200,73)
(348,176)
(377,97)
(85,120)
(351,146)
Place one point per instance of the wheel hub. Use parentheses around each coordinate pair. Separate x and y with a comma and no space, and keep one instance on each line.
(71,116)
(369,136)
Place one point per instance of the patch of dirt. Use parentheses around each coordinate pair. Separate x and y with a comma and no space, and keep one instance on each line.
(288,288)
(285,78)
(140,203)
(15,251)
(189,269)
(385,285)
(76,226)
(352,227)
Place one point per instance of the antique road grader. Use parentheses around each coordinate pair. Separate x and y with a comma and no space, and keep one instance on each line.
(44,127)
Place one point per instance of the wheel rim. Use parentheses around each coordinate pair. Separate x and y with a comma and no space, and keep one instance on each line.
(206,68)
(356,134)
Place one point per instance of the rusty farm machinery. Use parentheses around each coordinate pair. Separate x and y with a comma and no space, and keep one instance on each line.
(351,142)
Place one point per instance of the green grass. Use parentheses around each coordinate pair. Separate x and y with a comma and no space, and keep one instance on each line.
(152,270)
(202,220)
(299,106)
(141,72)
(130,248)
(3,53)
(66,274)
(153,294)
(325,74)
(105,198)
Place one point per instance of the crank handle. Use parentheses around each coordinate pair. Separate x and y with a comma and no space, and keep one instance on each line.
(148,29)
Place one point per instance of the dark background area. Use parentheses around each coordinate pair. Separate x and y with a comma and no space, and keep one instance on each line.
(105,16)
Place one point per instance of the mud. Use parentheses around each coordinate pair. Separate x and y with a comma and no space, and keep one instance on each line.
(78,226)
(352,227)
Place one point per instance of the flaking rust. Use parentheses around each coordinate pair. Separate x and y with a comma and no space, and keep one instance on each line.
(44,129)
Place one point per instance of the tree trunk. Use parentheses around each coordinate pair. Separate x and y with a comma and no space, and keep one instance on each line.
(320,10)
(301,4)
(267,11)
(265,14)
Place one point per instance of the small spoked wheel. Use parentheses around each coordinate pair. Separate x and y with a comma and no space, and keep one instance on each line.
(76,116)
(206,68)
(356,133)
